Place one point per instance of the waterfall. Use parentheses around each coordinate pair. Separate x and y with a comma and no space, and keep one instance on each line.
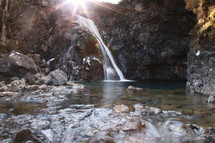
(110,67)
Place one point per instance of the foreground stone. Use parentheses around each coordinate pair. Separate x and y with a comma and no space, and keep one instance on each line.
(85,123)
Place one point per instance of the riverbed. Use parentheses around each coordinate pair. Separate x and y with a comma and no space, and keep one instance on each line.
(74,114)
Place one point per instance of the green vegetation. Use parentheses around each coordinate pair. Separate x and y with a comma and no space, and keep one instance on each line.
(208,28)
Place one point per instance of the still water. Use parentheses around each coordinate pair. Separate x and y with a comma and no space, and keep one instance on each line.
(162,94)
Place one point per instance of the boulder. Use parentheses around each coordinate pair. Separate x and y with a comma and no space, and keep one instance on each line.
(58,77)
(17,64)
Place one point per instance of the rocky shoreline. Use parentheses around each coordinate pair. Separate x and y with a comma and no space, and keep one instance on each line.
(49,122)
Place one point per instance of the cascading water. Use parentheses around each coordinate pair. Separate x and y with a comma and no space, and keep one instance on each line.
(110,67)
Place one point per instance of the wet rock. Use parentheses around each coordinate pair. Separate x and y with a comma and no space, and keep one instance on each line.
(62,90)
(211,99)
(3,86)
(44,88)
(177,128)
(121,108)
(26,135)
(101,137)
(93,69)
(155,110)
(45,79)
(17,85)
(58,77)
(37,89)
(37,92)
(32,87)
(17,64)
(133,124)
(9,94)
(75,85)
(133,89)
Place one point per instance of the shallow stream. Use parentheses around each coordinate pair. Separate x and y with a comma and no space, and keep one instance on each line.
(78,114)
(161,94)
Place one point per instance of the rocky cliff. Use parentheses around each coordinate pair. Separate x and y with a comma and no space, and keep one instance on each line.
(201,57)
(149,39)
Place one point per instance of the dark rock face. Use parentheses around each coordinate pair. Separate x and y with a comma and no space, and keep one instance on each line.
(17,64)
(45,29)
(201,57)
(82,60)
(148,38)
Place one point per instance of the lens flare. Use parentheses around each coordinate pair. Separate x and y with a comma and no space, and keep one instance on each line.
(76,2)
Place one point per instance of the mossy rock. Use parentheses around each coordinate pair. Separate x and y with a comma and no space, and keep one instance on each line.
(212,15)
(209,27)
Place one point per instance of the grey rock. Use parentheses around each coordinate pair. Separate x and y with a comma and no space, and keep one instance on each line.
(17,64)
(58,77)
(211,99)
(133,89)
(17,85)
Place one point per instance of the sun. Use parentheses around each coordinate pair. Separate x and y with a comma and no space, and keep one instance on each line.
(76,2)
(82,5)
(81,2)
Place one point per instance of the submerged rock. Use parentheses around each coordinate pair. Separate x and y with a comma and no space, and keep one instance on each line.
(133,89)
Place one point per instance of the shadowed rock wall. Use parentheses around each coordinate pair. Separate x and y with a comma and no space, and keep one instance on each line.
(201,57)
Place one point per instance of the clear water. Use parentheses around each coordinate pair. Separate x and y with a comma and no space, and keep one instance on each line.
(161,94)
(18,108)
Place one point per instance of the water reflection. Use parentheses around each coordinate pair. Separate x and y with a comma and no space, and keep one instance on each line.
(18,108)
(164,95)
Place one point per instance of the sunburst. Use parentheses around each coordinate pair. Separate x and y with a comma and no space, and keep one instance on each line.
(82,4)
